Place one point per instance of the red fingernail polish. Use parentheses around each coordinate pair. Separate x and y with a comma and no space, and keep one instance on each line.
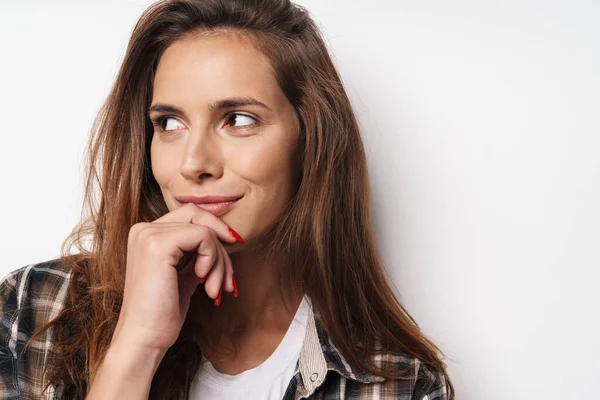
(236,236)
(201,280)
(235,289)
(218,299)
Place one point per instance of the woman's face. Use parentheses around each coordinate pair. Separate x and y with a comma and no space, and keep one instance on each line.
(227,129)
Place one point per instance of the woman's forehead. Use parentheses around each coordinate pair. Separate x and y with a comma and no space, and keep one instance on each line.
(202,68)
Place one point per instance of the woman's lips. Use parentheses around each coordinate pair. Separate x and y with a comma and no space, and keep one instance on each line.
(217,209)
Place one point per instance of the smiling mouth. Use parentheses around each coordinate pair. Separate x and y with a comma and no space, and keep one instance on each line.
(217,209)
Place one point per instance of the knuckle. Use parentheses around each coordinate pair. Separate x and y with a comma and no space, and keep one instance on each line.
(192,209)
(148,239)
(200,216)
(137,231)
(153,242)
(205,231)
(134,230)
(206,261)
(143,233)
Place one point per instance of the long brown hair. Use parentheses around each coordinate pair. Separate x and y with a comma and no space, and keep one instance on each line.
(325,235)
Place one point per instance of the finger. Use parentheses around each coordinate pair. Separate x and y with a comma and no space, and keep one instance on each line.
(228,278)
(188,258)
(188,238)
(190,213)
(211,288)
(214,279)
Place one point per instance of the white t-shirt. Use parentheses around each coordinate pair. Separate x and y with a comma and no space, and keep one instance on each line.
(268,380)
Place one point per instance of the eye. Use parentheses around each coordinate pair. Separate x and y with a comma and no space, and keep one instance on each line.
(160,121)
(243,119)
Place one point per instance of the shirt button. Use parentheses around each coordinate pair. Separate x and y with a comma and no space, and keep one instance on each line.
(314,377)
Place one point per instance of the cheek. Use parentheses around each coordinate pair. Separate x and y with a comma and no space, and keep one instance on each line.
(267,166)
(161,167)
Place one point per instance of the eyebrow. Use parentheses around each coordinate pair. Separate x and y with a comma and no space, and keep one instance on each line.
(217,105)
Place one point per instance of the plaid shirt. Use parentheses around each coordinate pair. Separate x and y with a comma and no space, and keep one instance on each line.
(35,294)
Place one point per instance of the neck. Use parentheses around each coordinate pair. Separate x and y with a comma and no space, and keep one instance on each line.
(256,321)
(264,299)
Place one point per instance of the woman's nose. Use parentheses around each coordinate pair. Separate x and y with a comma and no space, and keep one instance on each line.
(202,157)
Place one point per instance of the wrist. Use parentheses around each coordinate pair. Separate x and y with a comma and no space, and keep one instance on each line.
(133,357)
(126,372)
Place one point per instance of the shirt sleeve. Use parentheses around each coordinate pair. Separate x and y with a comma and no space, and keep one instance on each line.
(9,324)
(430,385)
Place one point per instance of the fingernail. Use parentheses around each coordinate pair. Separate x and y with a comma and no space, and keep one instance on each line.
(201,280)
(235,289)
(236,236)
(218,299)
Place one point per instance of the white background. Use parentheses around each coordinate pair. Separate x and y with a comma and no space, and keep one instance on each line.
(481,122)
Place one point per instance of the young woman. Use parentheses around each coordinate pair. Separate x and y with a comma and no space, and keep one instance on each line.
(232,252)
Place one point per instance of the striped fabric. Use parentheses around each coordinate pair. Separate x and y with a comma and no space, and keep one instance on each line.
(33,295)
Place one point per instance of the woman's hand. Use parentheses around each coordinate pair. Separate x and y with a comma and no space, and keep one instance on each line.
(158,291)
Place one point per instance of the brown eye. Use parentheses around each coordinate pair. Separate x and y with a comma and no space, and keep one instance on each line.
(164,126)
(241,119)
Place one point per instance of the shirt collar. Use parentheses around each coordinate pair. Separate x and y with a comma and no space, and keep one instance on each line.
(319,355)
